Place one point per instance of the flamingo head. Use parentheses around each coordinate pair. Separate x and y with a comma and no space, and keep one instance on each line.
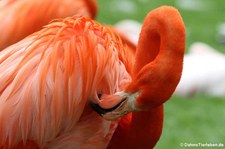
(112,107)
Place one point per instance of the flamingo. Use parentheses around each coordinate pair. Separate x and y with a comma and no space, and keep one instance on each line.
(54,81)
(20,18)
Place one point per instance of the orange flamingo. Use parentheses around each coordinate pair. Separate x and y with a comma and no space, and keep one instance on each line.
(50,79)
(20,18)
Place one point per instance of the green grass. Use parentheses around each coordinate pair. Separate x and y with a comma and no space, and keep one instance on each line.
(200,119)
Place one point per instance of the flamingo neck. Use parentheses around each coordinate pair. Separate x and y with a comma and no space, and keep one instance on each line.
(162,38)
(138,130)
(159,57)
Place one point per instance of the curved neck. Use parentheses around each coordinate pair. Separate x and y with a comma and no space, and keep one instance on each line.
(159,57)
(162,37)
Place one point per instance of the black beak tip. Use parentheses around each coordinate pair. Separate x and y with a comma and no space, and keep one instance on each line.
(101,111)
(97,108)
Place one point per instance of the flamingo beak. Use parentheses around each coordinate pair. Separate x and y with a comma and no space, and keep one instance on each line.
(101,111)
(113,107)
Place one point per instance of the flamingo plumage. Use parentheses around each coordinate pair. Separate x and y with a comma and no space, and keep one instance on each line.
(50,79)
(20,18)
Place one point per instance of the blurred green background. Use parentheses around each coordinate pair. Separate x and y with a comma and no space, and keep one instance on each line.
(197,119)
